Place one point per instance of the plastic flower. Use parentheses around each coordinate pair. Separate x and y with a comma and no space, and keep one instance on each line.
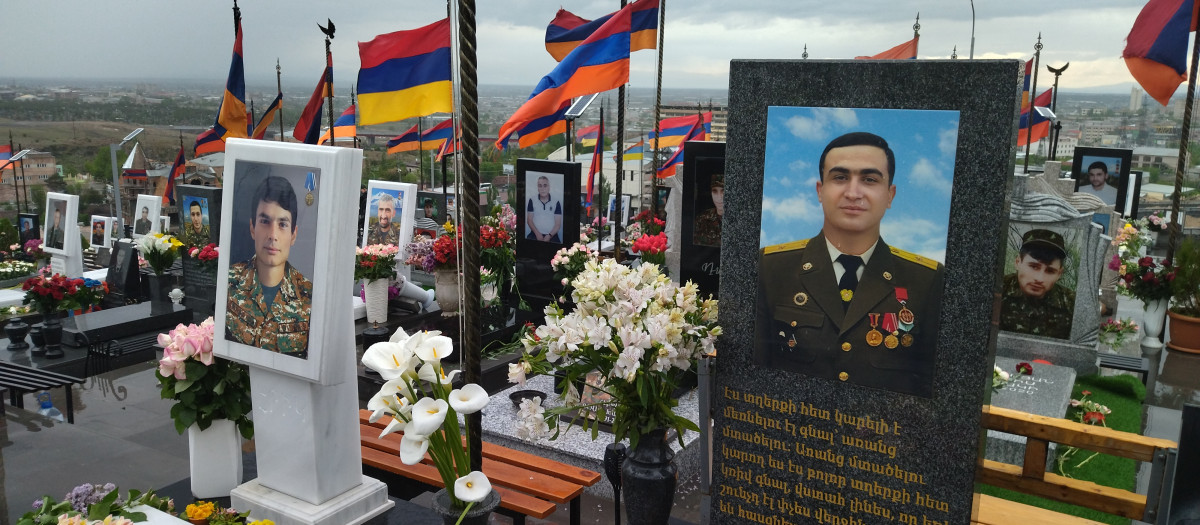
(469,399)
(473,487)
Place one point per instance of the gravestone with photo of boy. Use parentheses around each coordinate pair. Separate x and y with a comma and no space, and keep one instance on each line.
(200,225)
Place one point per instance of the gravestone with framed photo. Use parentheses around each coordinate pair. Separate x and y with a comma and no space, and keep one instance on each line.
(62,240)
(1104,173)
(391,209)
(818,420)
(548,202)
(28,227)
(430,214)
(283,285)
(145,215)
(703,208)
(124,281)
(200,225)
(101,236)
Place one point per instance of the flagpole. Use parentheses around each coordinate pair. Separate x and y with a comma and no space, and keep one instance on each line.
(662,15)
(16,188)
(600,177)
(469,206)
(1181,166)
(1037,54)
(1054,109)
(279,88)
(329,78)
(353,102)
(237,18)
(620,160)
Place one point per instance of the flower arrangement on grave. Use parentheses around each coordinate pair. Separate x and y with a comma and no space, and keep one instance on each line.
(1114,331)
(57,292)
(652,247)
(90,504)
(13,250)
(568,262)
(430,255)
(206,256)
(376,261)
(1141,276)
(33,249)
(160,251)
(1000,378)
(213,514)
(199,510)
(648,224)
(13,269)
(497,251)
(1086,411)
(638,330)
(417,395)
(205,387)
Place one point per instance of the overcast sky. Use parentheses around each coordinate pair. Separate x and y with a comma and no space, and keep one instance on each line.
(157,39)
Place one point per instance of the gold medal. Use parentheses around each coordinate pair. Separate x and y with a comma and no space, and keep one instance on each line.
(906,340)
(874,337)
(847,295)
(906,315)
(308,199)
(891,341)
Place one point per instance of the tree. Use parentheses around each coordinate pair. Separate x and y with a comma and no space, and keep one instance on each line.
(100,164)
(56,183)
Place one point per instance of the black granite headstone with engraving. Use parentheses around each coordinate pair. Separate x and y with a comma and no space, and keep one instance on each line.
(703,208)
(1045,392)
(123,280)
(791,445)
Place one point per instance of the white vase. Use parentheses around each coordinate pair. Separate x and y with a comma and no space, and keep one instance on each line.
(1152,324)
(446,288)
(488,293)
(376,292)
(215,456)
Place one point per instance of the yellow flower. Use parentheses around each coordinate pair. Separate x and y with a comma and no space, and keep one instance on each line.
(449,226)
(262,522)
(200,510)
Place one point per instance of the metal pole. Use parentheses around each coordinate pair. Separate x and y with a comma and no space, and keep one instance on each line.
(329,82)
(279,87)
(662,16)
(1181,165)
(620,161)
(1054,107)
(1037,54)
(972,56)
(469,113)
(112,155)
(16,188)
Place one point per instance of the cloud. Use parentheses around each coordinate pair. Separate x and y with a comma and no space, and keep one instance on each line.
(920,236)
(806,128)
(796,207)
(785,182)
(948,140)
(822,122)
(925,175)
(799,166)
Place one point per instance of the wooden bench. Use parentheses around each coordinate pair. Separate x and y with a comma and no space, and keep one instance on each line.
(1033,479)
(528,485)
(1128,363)
(18,380)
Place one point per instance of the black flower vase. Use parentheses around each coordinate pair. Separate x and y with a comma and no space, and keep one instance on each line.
(16,330)
(648,479)
(52,333)
(158,287)
(479,514)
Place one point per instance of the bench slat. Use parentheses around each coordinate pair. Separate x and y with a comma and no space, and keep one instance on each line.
(995,511)
(428,474)
(4,366)
(1090,437)
(1083,493)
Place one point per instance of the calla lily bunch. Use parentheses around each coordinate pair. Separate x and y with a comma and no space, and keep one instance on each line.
(418,396)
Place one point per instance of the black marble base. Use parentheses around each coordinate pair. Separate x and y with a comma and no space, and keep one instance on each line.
(123,321)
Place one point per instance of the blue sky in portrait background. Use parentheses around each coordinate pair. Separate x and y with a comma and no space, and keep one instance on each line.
(373,203)
(924,142)
(187,206)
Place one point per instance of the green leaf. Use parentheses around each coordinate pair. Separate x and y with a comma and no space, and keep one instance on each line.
(182,386)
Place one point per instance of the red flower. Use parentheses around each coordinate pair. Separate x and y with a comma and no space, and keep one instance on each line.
(1093,418)
(1086,392)
(1025,368)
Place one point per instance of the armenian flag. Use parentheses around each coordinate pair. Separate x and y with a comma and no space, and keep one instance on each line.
(6,152)
(207,142)
(268,116)
(408,141)
(405,74)
(308,128)
(435,137)
(449,147)
(599,64)
(695,133)
(905,51)
(567,30)
(177,170)
(1041,125)
(635,152)
(674,129)
(231,117)
(539,129)
(587,136)
(343,126)
(1025,89)
(1156,48)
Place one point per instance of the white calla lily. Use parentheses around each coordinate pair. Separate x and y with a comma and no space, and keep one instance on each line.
(469,399)
(391,397)
(397,425)
(391,360)
(427,415)
(433,372)
(432,347)
(473,487)
(412,448)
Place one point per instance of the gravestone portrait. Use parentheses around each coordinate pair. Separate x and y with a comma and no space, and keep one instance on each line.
(28,227)
(546,187)
(200,208)
(144,216)
(1103,172)
(123,278)
(703,208)
(882,440)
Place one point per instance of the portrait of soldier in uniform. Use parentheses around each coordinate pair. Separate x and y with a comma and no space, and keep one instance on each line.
(844,305)
(384,230)
(194,231)
(29,228)
(98,233)
(708,222)
(142,226)
(1033,301)
(55,235)
(269,302)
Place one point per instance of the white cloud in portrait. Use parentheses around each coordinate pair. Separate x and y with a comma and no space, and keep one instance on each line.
(920,236)
(925,174)
(822,123)
(948,141)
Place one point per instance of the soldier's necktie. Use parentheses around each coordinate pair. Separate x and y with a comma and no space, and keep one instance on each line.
(849,279)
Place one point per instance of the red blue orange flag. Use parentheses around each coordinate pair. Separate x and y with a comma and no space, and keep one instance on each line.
(208,142)
(674,129)
(588,135)
(408,141)
(905,51)
(634,152)
(405,74)
(268,116)
(1156,48)
(435,137)
(599,64)
(1025,89)
(6,152)
(567,30)
(449,147)
(231,117)
(695,133)
(343,126)
(177,170)
(308,128)
(539,129)
(1041,124)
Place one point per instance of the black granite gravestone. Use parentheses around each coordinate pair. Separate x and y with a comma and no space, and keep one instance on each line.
(547,207)
(791,444)
(123,281)
(1045,392)
(703,207)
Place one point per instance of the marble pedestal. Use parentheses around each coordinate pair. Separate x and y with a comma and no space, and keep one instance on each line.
(68,265)
(309,463)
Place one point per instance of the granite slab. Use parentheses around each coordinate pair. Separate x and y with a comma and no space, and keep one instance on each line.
(1047,392)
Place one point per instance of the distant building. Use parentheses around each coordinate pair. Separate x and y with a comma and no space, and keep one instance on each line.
(36,167)
(1147,157)
(1136,99)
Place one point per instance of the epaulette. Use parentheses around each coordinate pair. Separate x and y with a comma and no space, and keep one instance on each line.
(908,256)
(786,247)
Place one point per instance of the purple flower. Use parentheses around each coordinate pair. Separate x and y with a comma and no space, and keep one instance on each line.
(1115,263)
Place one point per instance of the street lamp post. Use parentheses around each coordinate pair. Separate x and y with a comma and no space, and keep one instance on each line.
(112,153)
(16,190)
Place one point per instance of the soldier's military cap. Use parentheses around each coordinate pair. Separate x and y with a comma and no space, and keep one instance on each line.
(1045,238)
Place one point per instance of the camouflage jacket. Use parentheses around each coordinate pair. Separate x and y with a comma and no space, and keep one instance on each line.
(378,236)
(708,228)
(281,326)
(191,238)
(1048,316)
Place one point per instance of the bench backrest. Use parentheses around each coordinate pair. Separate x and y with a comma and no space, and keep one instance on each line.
(1040,431)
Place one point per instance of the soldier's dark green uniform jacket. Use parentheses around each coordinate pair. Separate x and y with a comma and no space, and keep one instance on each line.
(377,236)
(803,327)
(199,240)
(281,326)
(1049,315)
(708,228)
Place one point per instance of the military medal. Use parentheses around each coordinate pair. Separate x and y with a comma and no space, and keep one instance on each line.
(847,295)
(874,337)
(906,316)
(311,185)
(906,340)
(889,326)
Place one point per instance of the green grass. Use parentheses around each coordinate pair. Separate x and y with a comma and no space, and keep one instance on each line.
(1123,394)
